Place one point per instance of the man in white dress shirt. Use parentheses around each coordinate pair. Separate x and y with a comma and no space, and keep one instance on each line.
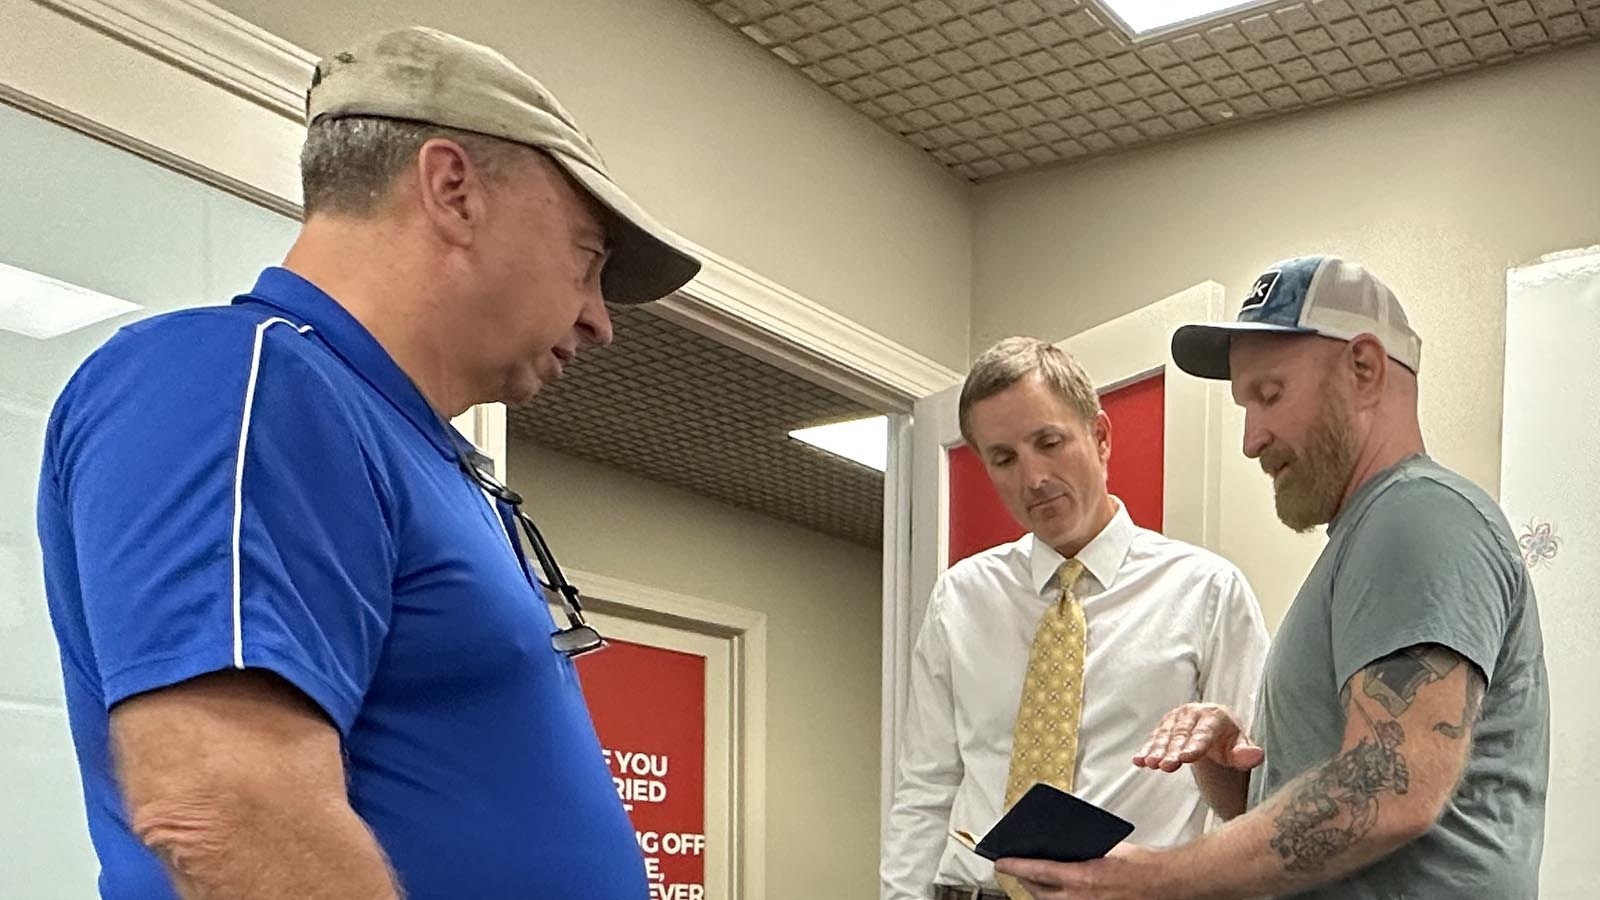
(1167,623)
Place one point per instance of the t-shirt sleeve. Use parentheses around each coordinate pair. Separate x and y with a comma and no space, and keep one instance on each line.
(224,514)
(1424,567)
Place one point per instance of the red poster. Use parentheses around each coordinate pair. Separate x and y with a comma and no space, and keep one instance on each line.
(649,707)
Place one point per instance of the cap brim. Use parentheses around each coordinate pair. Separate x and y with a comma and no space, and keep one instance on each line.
(1202,350)
(647,261)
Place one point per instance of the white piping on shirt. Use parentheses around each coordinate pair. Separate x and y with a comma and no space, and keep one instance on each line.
(238,480)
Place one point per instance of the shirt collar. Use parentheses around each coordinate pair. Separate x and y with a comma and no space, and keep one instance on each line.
(304,303)
(1362,498)
(1101,557)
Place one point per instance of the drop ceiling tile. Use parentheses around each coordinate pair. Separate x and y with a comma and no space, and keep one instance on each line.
(914,65)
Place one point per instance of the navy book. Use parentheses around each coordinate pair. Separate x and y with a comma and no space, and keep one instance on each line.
(1049,823)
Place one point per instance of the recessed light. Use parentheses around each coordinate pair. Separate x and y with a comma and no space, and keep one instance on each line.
(42,307)
(1142,18)
(865,441)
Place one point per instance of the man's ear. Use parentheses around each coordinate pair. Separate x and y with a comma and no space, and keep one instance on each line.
(450,191)
(1368,365)
(1102,435)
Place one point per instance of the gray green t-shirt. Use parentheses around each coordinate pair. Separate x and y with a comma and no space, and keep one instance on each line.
(1421,555)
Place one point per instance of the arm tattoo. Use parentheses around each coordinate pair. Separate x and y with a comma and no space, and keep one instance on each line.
(1335,806)
(1338,805)
(1395,679)
(1469,712)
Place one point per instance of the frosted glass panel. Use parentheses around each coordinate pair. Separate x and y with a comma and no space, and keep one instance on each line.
(47,854)
(1550,488)
(87,213)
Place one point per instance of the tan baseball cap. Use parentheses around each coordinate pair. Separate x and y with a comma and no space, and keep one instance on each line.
(423,75)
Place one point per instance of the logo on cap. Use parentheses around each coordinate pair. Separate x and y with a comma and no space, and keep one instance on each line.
(1261,291)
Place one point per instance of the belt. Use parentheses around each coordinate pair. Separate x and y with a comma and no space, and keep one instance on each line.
(966,892)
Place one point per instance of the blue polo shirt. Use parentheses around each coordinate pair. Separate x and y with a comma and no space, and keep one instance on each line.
(261,486)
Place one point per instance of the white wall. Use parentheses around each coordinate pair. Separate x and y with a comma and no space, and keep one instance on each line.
(723,142)
(821,598)
(1439,189)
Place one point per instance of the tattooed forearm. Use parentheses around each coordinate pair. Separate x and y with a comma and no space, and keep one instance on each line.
(1338,804)
(1395,679)
(1469,711)
(1328,820)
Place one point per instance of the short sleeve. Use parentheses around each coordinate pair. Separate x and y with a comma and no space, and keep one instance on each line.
(222,511)
(1423,567)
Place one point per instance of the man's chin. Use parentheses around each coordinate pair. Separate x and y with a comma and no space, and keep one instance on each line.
(1054,531)
(1294,513)
(522,393)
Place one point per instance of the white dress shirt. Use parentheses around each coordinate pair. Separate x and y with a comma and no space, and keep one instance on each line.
(1169,623)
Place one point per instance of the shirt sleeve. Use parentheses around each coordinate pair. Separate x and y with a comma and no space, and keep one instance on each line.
(223,512)
(930,766)
(1236,648)
(1424,567)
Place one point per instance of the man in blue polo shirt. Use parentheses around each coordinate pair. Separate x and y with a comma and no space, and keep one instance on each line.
(304,654)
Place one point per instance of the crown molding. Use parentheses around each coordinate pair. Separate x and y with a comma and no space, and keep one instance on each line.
(725,301)
(209,42)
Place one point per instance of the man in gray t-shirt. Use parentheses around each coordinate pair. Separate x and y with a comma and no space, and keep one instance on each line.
(1420,557)
(1403,731)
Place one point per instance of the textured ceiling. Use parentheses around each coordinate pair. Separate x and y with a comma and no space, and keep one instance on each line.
(672,406)
(990,88)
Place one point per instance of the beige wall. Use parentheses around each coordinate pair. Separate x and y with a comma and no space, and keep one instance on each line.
(821,598)
(724,143)
(1438,189)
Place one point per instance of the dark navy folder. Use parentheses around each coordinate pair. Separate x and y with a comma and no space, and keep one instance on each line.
(1049,823)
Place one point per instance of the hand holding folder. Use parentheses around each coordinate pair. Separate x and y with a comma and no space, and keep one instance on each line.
(1049,823)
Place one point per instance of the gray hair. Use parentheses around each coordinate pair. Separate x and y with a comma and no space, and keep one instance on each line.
(1016,358)
(348,165)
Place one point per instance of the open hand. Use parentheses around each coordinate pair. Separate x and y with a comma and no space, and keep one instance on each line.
(1195,732)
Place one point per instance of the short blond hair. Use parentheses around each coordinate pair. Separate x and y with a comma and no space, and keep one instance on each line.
(1016,358)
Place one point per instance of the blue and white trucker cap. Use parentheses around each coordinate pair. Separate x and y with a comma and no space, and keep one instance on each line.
(1307,295)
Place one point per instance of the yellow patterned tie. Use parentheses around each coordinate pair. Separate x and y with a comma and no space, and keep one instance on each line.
(1044,743)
